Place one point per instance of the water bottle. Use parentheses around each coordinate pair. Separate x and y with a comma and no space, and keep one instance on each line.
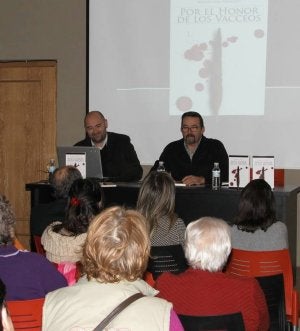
(216,177)
(161,166)
(51,168)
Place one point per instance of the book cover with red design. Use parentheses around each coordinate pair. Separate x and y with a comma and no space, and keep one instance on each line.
(239,170)
(263,167)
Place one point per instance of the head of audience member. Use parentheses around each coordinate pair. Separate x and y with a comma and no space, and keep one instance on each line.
(207,244)
(156,199)
(192,128)
(7,222)
(85,200)
(62,180)
(5,320)
(117,246)
(257,208)
(95,125)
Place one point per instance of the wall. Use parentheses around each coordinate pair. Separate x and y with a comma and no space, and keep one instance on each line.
(55,30)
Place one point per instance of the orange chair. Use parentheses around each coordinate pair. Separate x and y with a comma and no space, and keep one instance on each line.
(18,244)
(148,278)
(266,263)
(26,314)
(38,245)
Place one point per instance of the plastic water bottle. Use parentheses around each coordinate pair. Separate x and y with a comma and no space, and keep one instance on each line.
(161,166)
(216,177)
(51,168)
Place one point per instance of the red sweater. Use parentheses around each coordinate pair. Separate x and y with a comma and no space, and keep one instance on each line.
(197,292)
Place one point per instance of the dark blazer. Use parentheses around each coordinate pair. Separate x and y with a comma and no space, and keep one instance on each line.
(179,164)
(119,159)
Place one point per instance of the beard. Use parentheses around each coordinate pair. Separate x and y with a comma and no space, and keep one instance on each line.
(190,139)
(98,138)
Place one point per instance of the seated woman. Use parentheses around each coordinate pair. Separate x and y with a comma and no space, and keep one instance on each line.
(5,320)
(255,226)
(26,275)
(156,202)
(203,289)
(114,259)
(63,241)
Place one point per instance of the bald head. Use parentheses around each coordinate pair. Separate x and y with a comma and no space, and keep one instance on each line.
(62,180)
(95,126)
(95,114)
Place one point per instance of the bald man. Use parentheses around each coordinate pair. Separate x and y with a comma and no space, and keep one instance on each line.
(118,156)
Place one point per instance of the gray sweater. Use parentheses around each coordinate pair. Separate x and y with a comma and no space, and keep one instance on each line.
(274,238)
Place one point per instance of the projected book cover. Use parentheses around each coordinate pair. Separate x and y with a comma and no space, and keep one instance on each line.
(218,56)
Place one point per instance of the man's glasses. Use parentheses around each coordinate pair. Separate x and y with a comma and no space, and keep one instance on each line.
(190,128)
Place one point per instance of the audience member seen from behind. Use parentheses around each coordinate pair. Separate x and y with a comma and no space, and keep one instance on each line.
(5,320)
(192,158)
(255,226)
(115,257)
(63,241)
(118,156)
(8,221)
(26,275)
(44,214)
(203,289)
(156,202)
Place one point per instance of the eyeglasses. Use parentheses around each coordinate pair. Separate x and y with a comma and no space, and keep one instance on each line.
(190,128)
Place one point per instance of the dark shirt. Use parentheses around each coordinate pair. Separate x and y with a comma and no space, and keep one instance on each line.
(118,157)
(178,162)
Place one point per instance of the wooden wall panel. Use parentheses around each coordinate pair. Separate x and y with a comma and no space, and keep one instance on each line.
(27,131)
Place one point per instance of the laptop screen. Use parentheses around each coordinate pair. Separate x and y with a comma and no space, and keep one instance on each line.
(85,158)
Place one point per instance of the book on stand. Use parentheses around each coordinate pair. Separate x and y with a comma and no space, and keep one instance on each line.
(239,170)
(263,168)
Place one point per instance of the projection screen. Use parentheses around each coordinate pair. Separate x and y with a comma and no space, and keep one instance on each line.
(236,62)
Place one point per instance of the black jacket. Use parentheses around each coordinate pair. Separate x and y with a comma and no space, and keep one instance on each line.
(179,164)
(119,159)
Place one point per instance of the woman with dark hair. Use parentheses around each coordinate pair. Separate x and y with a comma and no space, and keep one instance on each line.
(255,227)
(63,241)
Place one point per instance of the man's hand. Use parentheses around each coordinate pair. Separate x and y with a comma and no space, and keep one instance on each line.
(193,180)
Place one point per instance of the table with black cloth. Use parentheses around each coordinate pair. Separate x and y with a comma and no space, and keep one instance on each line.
(194,202)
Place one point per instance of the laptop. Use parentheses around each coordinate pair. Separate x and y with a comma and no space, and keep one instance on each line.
(86,159)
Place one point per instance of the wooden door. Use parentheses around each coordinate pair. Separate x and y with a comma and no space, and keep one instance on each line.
(27,131)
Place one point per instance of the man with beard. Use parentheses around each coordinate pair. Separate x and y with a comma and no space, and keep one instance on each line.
(118,156)
(191,159)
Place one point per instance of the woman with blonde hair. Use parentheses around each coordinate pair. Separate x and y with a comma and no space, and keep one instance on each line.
(156,202)
(114,259)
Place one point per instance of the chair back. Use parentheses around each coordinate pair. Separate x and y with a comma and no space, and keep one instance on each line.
(26,314)
(38,245)
(231,322)
(267,263)
(166,259)
(273,288)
